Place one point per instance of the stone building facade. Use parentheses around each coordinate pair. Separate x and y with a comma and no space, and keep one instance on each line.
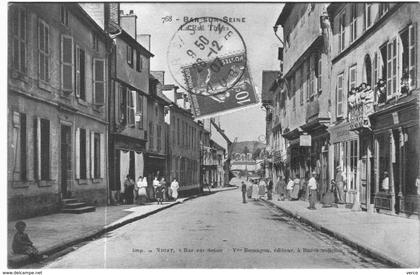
(57,108)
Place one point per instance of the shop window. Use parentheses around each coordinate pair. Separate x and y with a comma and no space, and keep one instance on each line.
(340,95)
(19,21)
(412,159)
(341,31)
(353,22)
(408,39)
(384,156)
(67,64)
(99,81)
(368,15)
(80,74)
(43,51)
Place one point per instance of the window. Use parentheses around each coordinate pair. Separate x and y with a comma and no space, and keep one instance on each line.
(178,132)
(95,42)
(23,151)
(375,69)
(351,155)
(41,149)
(159,137)
(97,156)
(131,109)
(139,111)
(304,82)
(139,62)
(340,95)
(384,155)
(99,81)
(383,8)
(318,73)
(64,13)
(19,39)
(43,51)
(391,64)
(130,56)
(341,31)
(80,74)
(310,77)
(408,39)
(383,50)
(151,135)
(67,64)
(352,77)
(81,153)
(123,104)
(368,15)
(353,22)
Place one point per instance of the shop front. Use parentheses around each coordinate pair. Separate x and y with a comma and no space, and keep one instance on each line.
(396,157)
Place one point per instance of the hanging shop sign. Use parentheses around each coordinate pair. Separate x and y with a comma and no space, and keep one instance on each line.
(360,103)
(305,140)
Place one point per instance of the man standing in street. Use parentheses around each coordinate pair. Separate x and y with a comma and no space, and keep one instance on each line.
(243,188)
(312,191)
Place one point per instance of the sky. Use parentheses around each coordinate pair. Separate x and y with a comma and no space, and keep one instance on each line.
(257,32)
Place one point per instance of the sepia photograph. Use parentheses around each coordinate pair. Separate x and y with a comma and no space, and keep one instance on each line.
(211,135)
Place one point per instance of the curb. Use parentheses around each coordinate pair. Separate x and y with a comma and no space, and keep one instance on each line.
(22,260)
(358,246)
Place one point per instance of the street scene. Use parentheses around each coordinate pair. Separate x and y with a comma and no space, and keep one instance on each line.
(207,135)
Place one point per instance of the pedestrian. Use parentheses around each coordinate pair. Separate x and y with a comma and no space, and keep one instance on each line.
(249,189)
(281,189)
(385,182)
(296,187)
(23,245)
(289,189)
(328,198)
(159,193)
(312,191)
(126,185)
(254,190)
(243,187)
(303,194)
(339,183)
(156,183)
(269,189)
(164,189)
(261,188)
(129,190)
(142,190)
(174,188)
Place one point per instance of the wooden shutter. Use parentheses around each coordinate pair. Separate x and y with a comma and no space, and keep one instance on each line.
(92,155)
(67,63)
(77,149)
(412,45)
(87,138)
(103,157)
(99,81)
(77,71)
(38,145)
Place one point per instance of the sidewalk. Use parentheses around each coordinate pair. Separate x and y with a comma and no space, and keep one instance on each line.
(395,240)
(55,232)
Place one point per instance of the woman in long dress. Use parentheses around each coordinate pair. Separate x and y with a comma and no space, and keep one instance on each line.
(261,188)
(254,191)
(249,189)
(289,188)
(174,188)
(142,192)
(329,198)
(296,187)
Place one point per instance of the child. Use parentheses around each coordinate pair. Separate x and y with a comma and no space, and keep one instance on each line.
(23,245)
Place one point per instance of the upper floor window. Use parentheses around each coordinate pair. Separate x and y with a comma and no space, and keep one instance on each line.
(352,77)
(409,57)
(43,51)
(80,74)
(302,85)
(139,111)
(159,137)
(383,8)
(353,22)
(64,15)
(151,137)
(341,31)
(41,149)
(139,62)
(99,81)
(391,67)
(340,95)
(131,108)
(368,15)
(318,72)
(129,55)
(95,42)
(67,63)
(19,19)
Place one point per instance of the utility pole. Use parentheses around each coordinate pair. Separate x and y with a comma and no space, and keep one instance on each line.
(229,150)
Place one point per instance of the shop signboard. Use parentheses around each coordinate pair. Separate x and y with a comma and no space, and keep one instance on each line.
(305,140)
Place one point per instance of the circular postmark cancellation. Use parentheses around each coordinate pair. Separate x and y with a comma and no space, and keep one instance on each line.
(207,56)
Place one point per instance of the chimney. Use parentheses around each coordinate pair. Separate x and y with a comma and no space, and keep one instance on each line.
(112,14)
(129,23)
(144,40)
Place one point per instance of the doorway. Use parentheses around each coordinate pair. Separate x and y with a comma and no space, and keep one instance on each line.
(65,161)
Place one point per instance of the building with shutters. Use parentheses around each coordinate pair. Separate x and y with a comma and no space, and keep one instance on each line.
(57,108)
(376,128)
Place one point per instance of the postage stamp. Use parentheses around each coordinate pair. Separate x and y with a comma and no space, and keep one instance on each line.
(207,56)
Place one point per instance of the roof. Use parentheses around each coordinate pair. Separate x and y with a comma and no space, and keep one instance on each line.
(216,145)
(128,38)
(285,12)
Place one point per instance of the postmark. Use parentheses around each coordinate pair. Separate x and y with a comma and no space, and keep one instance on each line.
(207,56)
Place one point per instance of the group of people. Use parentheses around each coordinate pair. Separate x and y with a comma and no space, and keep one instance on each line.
(136,192)
(257,189)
